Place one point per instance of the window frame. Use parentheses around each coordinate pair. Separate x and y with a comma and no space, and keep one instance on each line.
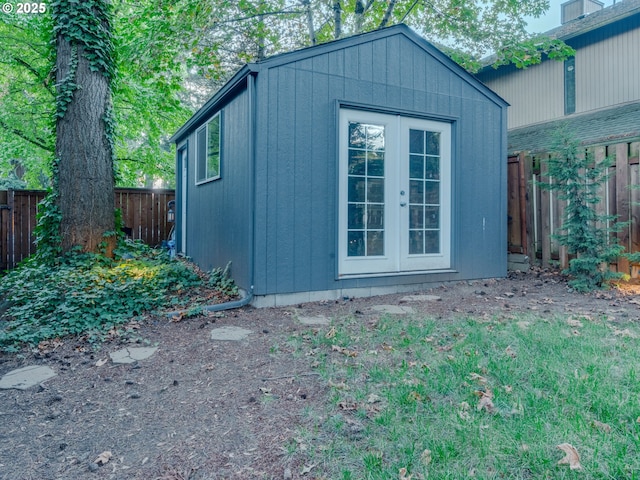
(207,177)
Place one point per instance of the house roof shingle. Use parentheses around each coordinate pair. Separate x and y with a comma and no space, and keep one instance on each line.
(611,125)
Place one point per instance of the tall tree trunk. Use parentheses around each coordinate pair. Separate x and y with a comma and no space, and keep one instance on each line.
(359,11)
(310,27)
(337,19)
(84,152)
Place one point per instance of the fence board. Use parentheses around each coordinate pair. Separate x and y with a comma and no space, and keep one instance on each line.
(543,211)
(143,210)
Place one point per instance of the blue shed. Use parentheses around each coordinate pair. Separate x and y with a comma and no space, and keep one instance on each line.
(372,164)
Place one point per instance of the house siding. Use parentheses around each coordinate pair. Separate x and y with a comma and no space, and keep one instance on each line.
(608,71)
(536,94)
(606,66)
(297,161)
(223,205)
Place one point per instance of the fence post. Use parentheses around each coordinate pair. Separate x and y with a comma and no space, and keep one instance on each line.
(622,200)
(545,213)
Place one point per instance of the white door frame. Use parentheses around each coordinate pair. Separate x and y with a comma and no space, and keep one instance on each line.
(396,258)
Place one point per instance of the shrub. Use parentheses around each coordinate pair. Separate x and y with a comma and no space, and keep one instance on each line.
(587,235)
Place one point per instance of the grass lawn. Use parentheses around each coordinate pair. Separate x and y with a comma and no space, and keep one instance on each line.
(416,398)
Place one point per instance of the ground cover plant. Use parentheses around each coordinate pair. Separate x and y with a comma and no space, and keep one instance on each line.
(88,294)
(514,397)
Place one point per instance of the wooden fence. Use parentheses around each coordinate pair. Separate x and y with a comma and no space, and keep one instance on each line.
(144,214)
(536,214)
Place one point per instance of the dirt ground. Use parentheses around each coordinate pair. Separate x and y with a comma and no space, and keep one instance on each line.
(197,408)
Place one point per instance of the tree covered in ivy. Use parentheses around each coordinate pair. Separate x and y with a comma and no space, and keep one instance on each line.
(588,235)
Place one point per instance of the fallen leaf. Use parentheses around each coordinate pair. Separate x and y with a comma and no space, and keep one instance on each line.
(348,406)
(403,474)
(101,362)
(425,458)
(331,333)
(344,351)
(626,333)
(338,386)
(603,427)
(485,401)
(574,322)
(307,469)
(373,398)
(103,458)
(477,378)
(571,456)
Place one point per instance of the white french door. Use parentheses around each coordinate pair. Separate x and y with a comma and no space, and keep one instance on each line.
(395,194)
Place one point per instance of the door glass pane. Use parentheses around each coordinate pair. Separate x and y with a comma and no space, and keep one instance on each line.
(416,191)
(416,166)
(356,215)
(432,241)
(357,162)
(365,197)
(375,243)
(416,216)
(424,192)
(432,217)
(356,244)
(375,216)
(357,189)
(433,168)
(375,164)
(416,242)
(432,193)
(433,143)
(416,141)
(375,190)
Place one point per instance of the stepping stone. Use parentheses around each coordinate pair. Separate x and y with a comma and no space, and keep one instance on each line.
(231,333)
(26,377)
(393,309)
(421,298)
(315,320)
(132,354)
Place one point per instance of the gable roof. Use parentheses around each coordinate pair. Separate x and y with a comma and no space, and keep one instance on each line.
(587,23)
(238,80)
(620,123)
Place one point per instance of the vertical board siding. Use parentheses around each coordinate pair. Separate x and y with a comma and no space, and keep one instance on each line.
(607,72)
(219,213)
(297,148)
(536,94)
(143,210)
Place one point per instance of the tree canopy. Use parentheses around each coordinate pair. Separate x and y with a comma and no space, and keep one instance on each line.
(172,55)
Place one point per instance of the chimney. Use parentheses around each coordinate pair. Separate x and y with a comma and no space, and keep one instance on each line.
(574,9)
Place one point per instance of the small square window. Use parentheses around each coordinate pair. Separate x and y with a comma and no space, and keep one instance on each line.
(208,151)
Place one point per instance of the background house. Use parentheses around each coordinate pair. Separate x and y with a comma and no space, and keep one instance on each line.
(368,165)
(596,95)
